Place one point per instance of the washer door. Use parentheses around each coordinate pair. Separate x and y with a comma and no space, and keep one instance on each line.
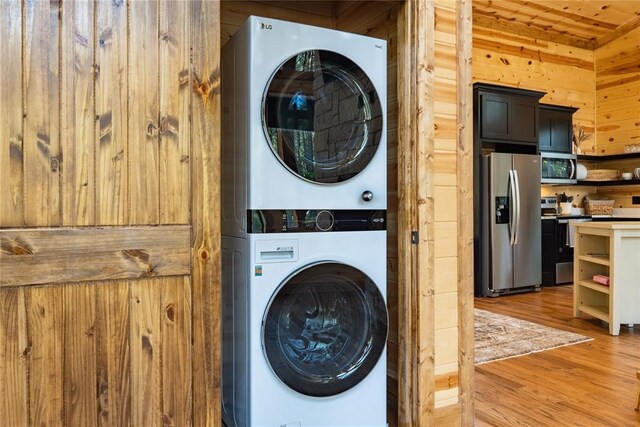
(325,329)
(322,116)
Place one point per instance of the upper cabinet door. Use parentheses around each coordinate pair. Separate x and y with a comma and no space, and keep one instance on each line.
(495,116)
(525,119)
(507,114)
(556,128)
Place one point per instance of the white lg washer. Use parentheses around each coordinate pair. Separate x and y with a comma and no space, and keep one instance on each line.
(305,325)
(303,120)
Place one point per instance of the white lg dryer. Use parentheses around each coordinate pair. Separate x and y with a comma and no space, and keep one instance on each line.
(303,120)
(305,323)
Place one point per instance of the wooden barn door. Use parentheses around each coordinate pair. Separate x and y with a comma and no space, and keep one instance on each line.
(109,231)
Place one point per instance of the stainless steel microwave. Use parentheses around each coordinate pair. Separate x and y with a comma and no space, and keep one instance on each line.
(558,168)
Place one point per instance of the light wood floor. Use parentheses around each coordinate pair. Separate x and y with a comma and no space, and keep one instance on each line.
(589,384)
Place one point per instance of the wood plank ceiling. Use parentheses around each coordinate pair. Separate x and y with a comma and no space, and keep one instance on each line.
(587,24)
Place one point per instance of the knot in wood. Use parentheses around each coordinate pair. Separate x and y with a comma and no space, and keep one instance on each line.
(170,311)
(203,254)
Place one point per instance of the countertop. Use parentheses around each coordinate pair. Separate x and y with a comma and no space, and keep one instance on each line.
(611,225)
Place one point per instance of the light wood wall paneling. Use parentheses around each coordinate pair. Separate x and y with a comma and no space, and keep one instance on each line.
(77,113)
(465,211)
(205,197)
(176,351)
(617,77)
(566,73)
(111,103)
(14,358)
(622,195)
(365,17)
(143,162)
(113,360)
(175,96)
(42,113)
(146,353)
(46,352)
(425,107)
(11,129)
(60,255)
(80,368)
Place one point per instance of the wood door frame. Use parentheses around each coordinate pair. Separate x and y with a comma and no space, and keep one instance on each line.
(416,87)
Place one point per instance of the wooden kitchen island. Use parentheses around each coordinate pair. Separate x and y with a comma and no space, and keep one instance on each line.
(610,249)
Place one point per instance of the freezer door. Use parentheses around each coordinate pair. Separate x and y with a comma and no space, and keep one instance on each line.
(500,164)
(527,251)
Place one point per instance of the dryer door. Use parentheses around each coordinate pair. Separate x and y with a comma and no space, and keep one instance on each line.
(322,116)
(325,329)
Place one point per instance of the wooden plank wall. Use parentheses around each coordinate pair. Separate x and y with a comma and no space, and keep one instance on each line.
(102,124)
(566,73)
(446,212)
(617,79)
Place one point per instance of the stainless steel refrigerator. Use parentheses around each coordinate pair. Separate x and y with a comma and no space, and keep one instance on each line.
(511,225)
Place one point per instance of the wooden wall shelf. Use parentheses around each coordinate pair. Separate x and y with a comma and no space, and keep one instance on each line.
(616,182)
(592,158)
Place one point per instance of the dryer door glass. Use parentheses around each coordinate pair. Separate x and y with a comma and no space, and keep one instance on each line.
(322,116)
(325,329)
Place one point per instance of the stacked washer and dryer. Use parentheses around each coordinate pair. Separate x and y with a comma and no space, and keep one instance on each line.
(304,317)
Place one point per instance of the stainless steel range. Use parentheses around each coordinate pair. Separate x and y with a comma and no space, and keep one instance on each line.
(557,242)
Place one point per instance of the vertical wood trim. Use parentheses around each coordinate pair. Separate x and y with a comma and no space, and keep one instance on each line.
(416,57)
(80,355)
(77,113)
(113,354)
(41,121)
(111,112)
(146,352)
(14,356)
(175,95)
(425,64)
(407,340)
(46,338)
(465,209)
(176,351)
(143,112)
(205,218)
(11,147)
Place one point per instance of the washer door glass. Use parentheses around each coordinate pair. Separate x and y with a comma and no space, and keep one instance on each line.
(325,329)
(322,116)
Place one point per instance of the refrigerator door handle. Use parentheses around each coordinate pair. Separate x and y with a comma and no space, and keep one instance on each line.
(517,222)
(512,208)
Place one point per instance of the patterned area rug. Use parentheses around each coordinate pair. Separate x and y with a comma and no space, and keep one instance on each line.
(502,337)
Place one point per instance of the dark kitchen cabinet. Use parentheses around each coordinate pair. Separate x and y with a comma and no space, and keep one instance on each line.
(549,251)
(556,128)
(506,114)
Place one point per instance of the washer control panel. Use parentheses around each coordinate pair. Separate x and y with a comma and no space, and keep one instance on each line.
(315,220)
